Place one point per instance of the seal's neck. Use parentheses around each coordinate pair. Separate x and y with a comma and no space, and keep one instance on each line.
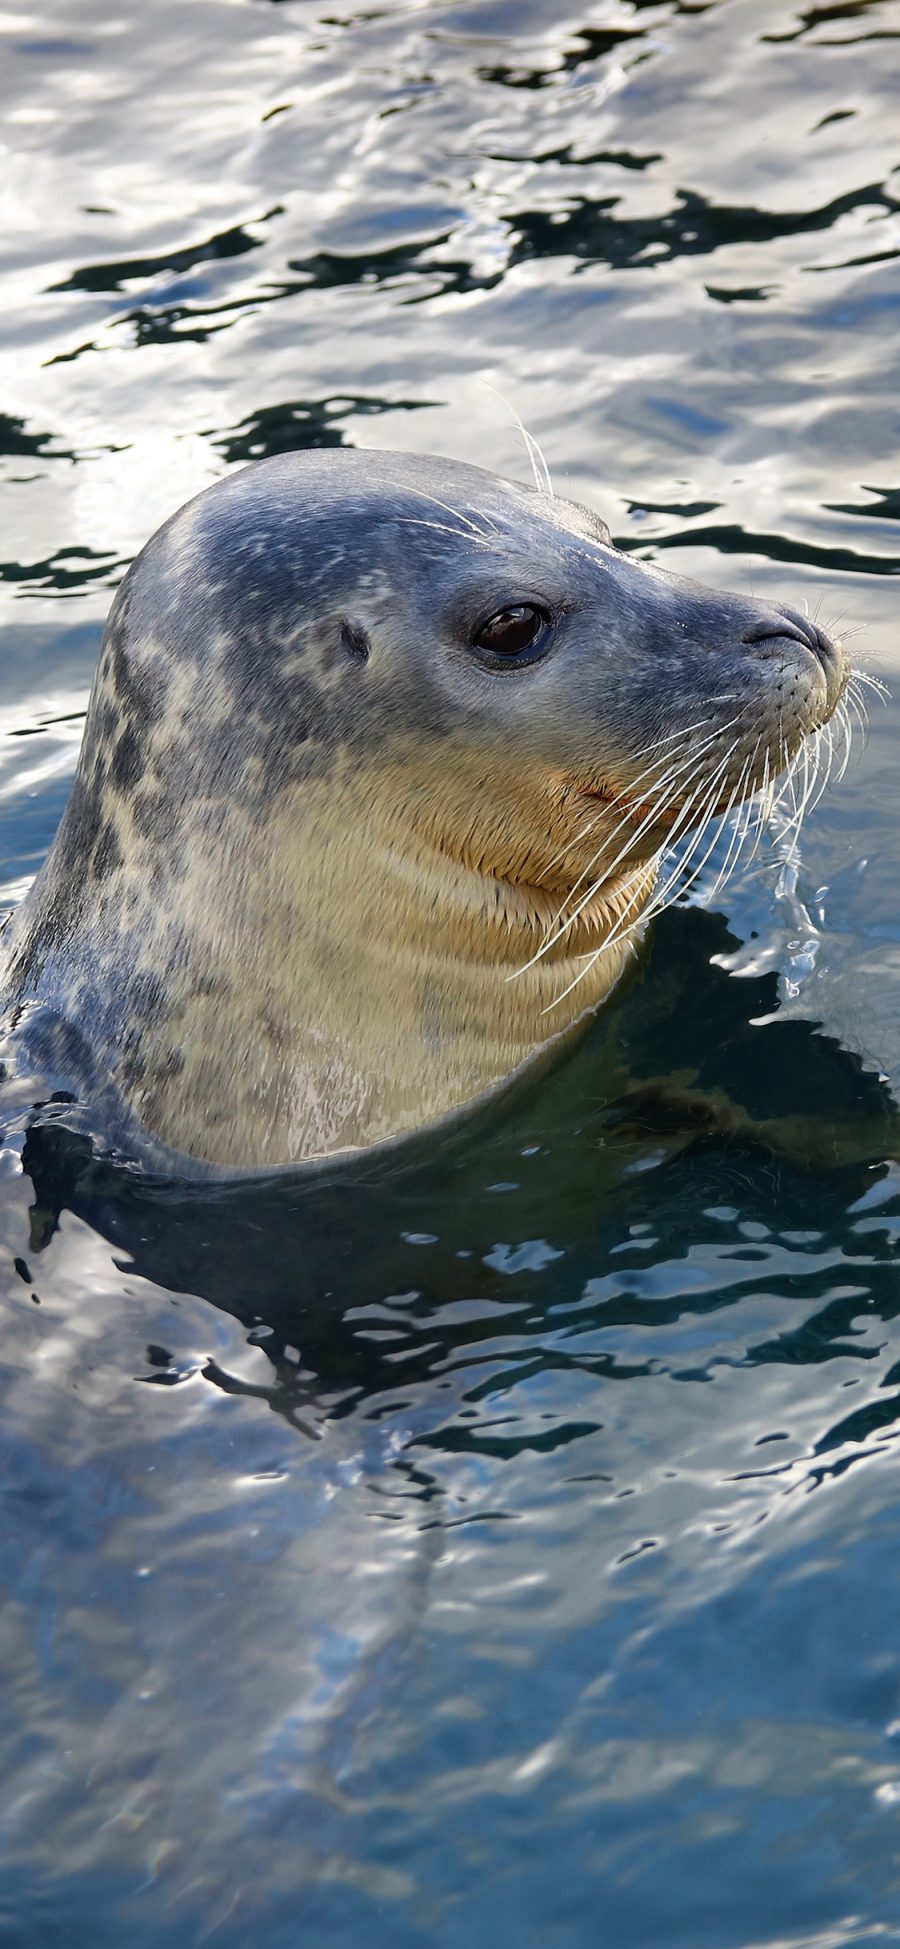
(508,926)
(423,981)
(304,986)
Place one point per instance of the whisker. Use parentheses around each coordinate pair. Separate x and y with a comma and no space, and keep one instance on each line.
(854,704)
(766,798)
(539,467)
(468,521)
(846,728)
(776,806)
(870,682)
(708,794)
(558,928)
(442,528)
(710,818)
(596,817)
(739,833)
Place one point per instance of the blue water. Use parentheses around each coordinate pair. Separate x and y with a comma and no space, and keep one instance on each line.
(507,1549)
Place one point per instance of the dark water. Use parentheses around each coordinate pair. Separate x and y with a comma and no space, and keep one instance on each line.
(505,1550)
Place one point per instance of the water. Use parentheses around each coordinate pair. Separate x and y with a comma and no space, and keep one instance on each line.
(505,1550)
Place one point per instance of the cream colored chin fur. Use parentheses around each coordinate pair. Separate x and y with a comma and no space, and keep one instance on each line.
(353,980)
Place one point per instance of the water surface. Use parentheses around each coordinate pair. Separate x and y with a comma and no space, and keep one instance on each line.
(504,1549)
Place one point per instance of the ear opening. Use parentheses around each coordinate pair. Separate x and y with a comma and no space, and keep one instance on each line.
(355,640)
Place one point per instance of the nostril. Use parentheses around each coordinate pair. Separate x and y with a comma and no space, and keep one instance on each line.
(786,622)
(806,630)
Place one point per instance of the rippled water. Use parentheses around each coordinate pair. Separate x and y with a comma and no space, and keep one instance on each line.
(507,1550)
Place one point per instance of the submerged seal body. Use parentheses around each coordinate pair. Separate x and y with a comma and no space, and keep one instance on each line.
(379,761)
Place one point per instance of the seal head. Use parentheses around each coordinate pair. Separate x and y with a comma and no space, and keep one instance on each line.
(370,735)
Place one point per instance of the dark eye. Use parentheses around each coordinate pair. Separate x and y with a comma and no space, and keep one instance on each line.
(512,630)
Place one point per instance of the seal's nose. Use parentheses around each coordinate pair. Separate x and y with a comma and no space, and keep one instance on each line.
(798,629)
(822,645)
(789,622)
(784,622)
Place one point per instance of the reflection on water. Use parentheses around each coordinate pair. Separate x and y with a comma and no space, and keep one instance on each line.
(349,1594)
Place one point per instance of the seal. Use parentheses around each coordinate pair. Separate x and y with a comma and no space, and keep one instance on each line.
(380,763)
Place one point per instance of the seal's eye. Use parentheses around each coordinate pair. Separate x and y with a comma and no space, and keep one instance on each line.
(512,631)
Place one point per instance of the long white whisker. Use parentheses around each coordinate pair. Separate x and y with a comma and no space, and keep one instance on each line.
(870,682)
(621,931)
(558,927)
(739,833)
(846,726)
(764,812)
(792,832)
(710,816)
(539,467)
(596,817)
(442,528)
(686,764)
(708,794)
(482,533)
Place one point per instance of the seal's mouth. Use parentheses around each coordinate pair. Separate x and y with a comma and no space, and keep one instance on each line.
(638,811)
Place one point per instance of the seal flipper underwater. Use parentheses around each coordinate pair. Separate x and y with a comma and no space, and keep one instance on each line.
(379,765)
